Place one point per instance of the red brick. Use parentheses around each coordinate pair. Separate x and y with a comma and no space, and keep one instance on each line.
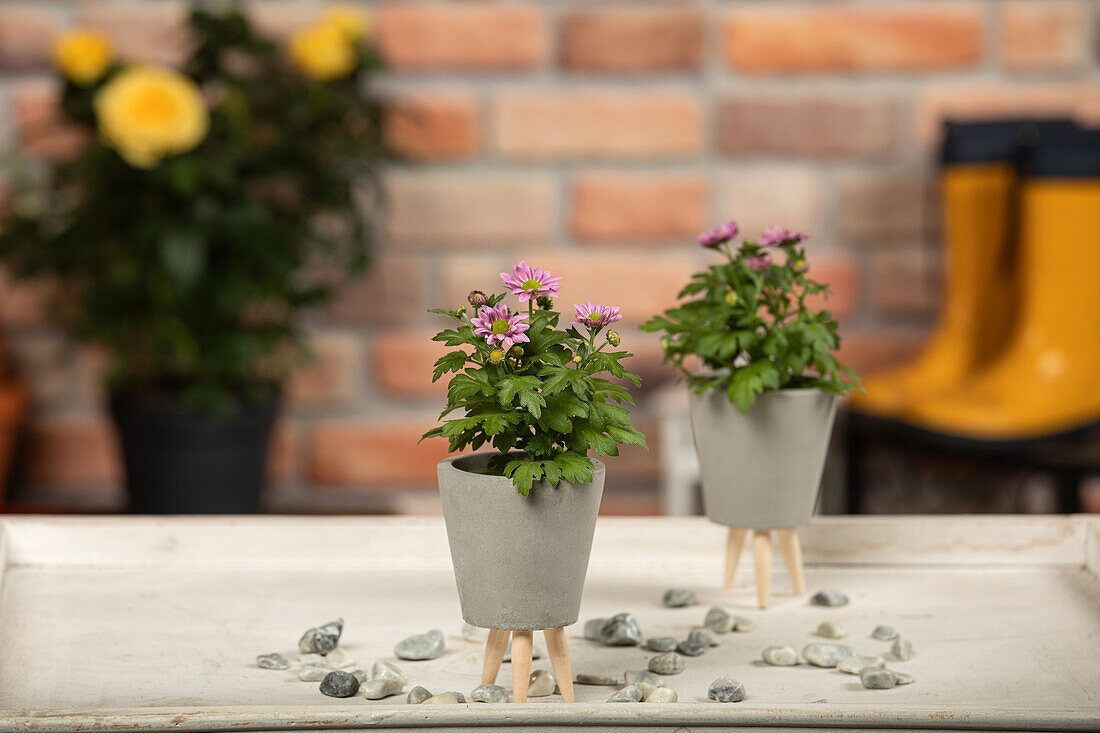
(590,124)
(446,210)
(334,377)
(284,18)
(72,451)
(390,293)
(24,303)
(831,39)
(816,126)
(615,207)
(635,467)
(40,126)
(761,197)
(871,350)
(876,209)
(42,363)
(484,36)
(434,127)
(141,31)
(1047,35)
(905,283)
(379,453)
(633,39)
(840,274)
(973,101)
(402,362)
(27,34)
(282,462)
(630,503)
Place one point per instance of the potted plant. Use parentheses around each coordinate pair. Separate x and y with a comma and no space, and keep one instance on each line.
(542,397)
(208,209)
(763,403)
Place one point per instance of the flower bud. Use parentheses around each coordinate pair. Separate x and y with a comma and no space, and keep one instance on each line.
(576,360)
(731,298)
(613,338)
(516,351)
(477,298)
(496,356)
(544,302)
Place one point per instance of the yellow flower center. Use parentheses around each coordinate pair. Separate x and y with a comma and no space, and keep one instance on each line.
(496,356)
(731,298)
(531,285)
(500,326)
(799,263)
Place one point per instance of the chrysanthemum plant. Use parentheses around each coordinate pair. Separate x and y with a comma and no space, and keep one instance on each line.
(747,320)
(209,205)
(539,394)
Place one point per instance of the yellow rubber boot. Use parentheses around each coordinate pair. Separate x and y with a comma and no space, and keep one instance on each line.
(1047,380)
(977,196)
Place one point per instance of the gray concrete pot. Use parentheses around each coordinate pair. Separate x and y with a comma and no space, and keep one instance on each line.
(762,470)
(519,563)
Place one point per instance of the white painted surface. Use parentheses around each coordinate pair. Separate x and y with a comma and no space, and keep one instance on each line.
(155,623)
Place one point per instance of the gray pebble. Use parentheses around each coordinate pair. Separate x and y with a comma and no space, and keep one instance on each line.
(474,633)
(272,661)
(829,598)
(630,693)
(313,672)
(661,644)
(644,688)
(690,648)
(830,630)
(339,659)
(597,679)
(667,663)
(381,687)
(316,659)
(361,674)
(902,649)
(637,677)
(536,652)
(875,678)
(825,655)
(726,689)
(489,693)
(903,678)
(321,639)
(678,597)
(421,646)
(542,683)
(884,633)
(742,624)
(383,670)
(593,627)
(339,684)
(418,695)
(445,698)
(662,694)
(719,620)
(780,656)
(856,662)
(621,630)
(703,636)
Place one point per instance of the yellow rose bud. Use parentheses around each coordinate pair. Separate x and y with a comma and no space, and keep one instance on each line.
(146,113)
(350,20)
(322,52)
(731,298)
(83,56)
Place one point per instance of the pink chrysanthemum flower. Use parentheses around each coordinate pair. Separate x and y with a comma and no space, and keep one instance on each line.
(595,315)
(528,282)
(759,262)
(774,235)
(498,326)
(720,234)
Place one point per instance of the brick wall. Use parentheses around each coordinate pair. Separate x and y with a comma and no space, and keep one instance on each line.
(594,139)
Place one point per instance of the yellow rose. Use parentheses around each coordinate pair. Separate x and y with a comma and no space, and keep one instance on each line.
(83,56)
(352,21)
(322,52)
(146,113)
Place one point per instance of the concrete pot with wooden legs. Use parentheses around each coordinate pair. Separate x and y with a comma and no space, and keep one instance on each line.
(761,471)
(520,563)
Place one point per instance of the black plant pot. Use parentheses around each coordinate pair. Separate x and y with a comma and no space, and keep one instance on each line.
(180,461)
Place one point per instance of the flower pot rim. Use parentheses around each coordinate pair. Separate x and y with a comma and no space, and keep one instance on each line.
(449,462)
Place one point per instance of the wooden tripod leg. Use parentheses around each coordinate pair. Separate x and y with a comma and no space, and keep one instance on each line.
(495,647)
(792,558)
(521,664)
(558,648)
(762,555)
(735,542)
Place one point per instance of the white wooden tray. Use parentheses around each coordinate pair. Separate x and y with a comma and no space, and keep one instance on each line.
(154,624)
